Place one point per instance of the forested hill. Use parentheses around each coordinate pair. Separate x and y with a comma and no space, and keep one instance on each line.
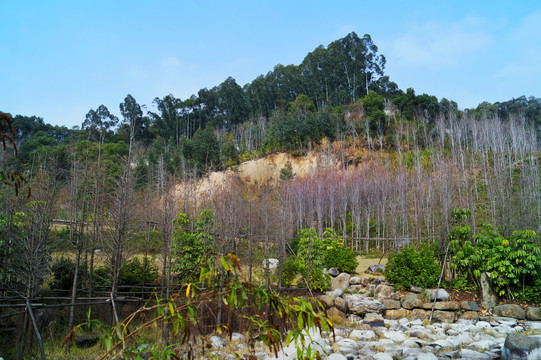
(339,91)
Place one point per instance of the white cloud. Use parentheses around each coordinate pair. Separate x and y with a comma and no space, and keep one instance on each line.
(441,45)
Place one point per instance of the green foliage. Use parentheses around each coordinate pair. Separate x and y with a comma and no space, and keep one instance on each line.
(413,266)
(137,272)
(192,244)
(286,173)
(511,262)
(63,271)
(318,253)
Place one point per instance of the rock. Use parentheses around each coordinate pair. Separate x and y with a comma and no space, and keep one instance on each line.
(341,281)
(333,272)
(86,340)
(426,356)
(356,288)
(442,305)
(354,319)
(391,304)
(419,314)
(470,315)
(535,325)
(327,300)
(443,316)
(509,321)
(489,297)
(469,306)
(363,335)
(416,289)
(341,304)
(365,281)
(370,289)
(396,314)
(346,347)
(335,293)
(533,313)
(411,301)
(481,346)
(510,310)
(217,342)
(270,264)
(237,337)
(362,307)
(438,294)
(521,347)
(312,337)
(376,268)
(355,280)
(336,356)
(374,320)
(474,355)
(382,356)
(396,336)
(335,312)
(383,292)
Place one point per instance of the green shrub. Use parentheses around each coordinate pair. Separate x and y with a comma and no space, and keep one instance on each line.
(289,271)
(136,272)
(532,293)
(413,267)
(342,258)
(63,271)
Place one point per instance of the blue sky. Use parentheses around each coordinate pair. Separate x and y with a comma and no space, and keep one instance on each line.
(59,59)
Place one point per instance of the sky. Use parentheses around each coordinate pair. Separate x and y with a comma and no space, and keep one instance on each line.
(59,59)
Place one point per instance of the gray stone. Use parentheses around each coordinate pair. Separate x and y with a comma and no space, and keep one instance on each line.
(355,280)
(356,288)
(376,268)
(354,319)
(363,335)
(489,297)
(270,264)
(443,316)
(416,289)
(396,336)
(521,347)
(535,325)
(383,356)
(442,305)
(469,306)
(346,347)
(426,356)
(438,294)
(373,320)
(411,301)
(237,337)
(470,315)
(510,310)
(533,313)
(502,320)
(396,314)
(383,291)
(336,356)
(391,304)
(419,314)
(333,272)
(335,293)
(334,312)
(341,281)
(370,289)
(341,304)
(362,307)
(217,342)
(481,346)
(474,355)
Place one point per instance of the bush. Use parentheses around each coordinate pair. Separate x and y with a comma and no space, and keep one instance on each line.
(342,258)
(133,272)
(413,267)
(63,271)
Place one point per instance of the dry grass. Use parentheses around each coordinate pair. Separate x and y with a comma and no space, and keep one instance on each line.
(365,262)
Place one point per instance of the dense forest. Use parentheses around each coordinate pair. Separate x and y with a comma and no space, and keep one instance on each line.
(392,166)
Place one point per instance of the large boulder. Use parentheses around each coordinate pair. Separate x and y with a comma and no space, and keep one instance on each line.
(362,307)
(341,281)
(396,314)
(443,316)
(469,306)
(341,304)
(517,347)
(373,320)
(510,310)
(411,301)
(490,299)
(270,264)
(391,304)
(355,280)
(533,313)
(438,294)
(376,268)
(334,272)
(383,292)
